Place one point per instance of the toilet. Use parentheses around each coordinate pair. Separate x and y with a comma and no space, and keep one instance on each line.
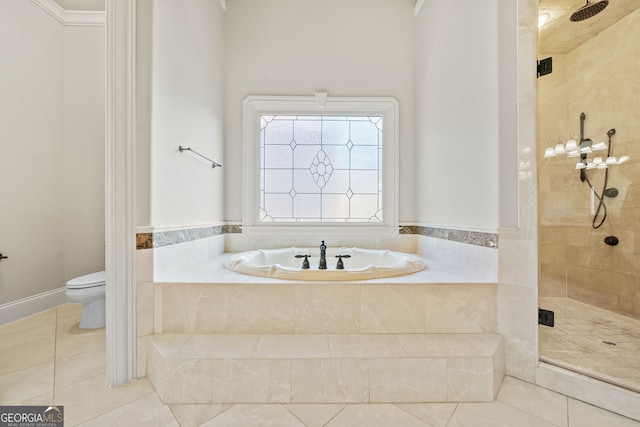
(89,291)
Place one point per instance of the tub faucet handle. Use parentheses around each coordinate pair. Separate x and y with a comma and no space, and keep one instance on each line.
(305,263)
(340,265)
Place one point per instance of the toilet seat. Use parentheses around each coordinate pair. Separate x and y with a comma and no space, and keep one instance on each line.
(88,281)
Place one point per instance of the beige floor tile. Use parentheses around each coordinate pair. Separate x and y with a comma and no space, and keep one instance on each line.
(45,399)
(543,403)
(434,414)
(195,415)
(87,399)
(23,385)
(375,415)
(71,340)
(68,314)
(584,415)
(80,367)
(314,415)
(80,383)
(25,349)
(147,411)
(494,414)
(44,318)
(255,415)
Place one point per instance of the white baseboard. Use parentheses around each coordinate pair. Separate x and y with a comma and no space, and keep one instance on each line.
(31,305)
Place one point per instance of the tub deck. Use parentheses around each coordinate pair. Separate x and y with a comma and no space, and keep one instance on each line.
(214,271)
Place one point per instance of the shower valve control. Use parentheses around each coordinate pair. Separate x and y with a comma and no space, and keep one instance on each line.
(3,257)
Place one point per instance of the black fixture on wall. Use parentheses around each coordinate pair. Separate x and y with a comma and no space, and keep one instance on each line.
(611,240)
(582,149)
(545,66)
(589,10)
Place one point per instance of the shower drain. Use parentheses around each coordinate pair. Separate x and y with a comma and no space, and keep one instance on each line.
(609,343)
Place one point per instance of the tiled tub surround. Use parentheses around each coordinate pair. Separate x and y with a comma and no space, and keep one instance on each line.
(209,299)
(427,336)
(325,368)
(262,340)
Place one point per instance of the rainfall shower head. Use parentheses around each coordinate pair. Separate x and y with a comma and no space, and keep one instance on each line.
(589,10)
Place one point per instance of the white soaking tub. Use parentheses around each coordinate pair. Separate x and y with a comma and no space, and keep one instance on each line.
(361,265)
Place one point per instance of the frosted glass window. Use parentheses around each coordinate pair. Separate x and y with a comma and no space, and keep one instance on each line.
(321,168)
(320,165)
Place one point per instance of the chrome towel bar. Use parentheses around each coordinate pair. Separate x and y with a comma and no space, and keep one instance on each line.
(213,164)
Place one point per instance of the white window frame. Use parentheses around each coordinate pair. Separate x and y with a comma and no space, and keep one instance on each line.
(256,106)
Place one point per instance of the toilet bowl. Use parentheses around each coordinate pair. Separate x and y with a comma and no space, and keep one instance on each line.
(89,291)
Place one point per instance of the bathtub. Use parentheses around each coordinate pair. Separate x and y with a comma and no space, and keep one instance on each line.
(363,264)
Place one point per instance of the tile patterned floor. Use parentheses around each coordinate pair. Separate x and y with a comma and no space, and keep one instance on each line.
(46,359)
(591,340)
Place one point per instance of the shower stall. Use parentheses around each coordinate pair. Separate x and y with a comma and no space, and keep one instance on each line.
(589,200)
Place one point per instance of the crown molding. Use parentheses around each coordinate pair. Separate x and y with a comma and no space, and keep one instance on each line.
(76,18)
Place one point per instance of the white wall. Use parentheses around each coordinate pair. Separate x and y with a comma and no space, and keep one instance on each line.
(293,47)
(31,157)
(187,109)
(84,89)
(52,153)
(144,63)
(457,117)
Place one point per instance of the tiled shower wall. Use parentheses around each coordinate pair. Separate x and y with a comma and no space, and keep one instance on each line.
(602,79)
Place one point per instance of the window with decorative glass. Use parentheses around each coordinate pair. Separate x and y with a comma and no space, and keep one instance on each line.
(320,164)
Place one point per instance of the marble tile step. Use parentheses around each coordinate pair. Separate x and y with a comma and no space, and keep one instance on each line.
(310,368)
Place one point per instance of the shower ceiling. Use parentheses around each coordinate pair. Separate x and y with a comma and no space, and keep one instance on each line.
(560,35)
